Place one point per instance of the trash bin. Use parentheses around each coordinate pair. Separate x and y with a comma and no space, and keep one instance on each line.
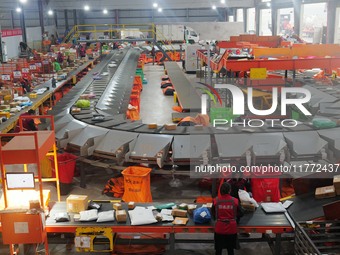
(66,167)
(137,184)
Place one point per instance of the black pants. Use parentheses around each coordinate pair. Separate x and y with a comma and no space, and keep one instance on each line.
(227,242)
(229,249)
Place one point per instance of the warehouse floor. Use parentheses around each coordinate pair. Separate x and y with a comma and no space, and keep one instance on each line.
(96,178)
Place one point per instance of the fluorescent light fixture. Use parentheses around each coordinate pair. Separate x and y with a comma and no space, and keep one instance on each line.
(155,5)
(18,9)
(213,7)
(268,4)
(23,1)
(105,11)
(222,1)
(86,8)
(50,12)
(160,10)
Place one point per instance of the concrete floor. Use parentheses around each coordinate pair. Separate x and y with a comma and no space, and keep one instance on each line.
(153,101)
(152,98)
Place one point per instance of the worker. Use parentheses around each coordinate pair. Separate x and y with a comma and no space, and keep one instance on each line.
(227,213)
(200,119)
(26,86)
(182,56)
(28,123)
(54,82)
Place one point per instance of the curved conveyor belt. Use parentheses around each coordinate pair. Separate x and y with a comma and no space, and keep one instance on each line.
(115,137)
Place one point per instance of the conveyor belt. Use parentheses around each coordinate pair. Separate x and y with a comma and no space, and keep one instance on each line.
(259,221)
(187,95)
(307,207)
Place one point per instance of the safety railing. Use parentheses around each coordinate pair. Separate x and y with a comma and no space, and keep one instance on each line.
(317,237)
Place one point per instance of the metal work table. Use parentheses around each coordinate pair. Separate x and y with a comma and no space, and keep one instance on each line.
(187,96)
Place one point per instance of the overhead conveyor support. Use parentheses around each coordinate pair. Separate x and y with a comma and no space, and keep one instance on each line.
(191,149)
(306,145)
(87,139)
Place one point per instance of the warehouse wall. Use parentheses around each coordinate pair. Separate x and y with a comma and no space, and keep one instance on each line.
(113,17)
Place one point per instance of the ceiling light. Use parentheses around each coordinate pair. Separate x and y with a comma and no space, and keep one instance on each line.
(22,1)
(160,9)
(105,11)
(213,7)
(86,8)
(155,5)
(50,12)
(18,9)
(268,4)
(222,1)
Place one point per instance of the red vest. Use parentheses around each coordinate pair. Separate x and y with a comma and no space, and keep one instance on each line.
(226,212)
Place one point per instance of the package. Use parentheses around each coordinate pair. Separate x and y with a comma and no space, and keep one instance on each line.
(106,216)
(152,126)
(208,205)
(34,204)
(336,183)
(62,217)
(191,209)
(180,221)
(121,216)
(141,216)
(89,215)
(33,95)
(117,206)
(325,192)
(170,127)
(179,213)
(76,203)
(248,206)
(131,205)
(183,206)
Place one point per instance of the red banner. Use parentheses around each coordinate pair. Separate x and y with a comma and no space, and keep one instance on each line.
(11,32)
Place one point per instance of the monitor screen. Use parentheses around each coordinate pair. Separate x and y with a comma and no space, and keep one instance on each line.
(20,180)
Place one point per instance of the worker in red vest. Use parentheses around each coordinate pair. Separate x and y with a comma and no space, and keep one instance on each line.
(227,214)
(28,123)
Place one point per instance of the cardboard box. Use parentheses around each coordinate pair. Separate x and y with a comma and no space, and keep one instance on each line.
(180,221)
(336,183)
(179,213)
(117,206)
(131,205)
(325,192)
(152,126)
(170,127)
(76,203)
(248,206)
(121,215)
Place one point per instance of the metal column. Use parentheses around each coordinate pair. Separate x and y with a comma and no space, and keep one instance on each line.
(41,16)
(331,17)
(274,18)
(75,22)
(297,16)
(66,20)
(23,25)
